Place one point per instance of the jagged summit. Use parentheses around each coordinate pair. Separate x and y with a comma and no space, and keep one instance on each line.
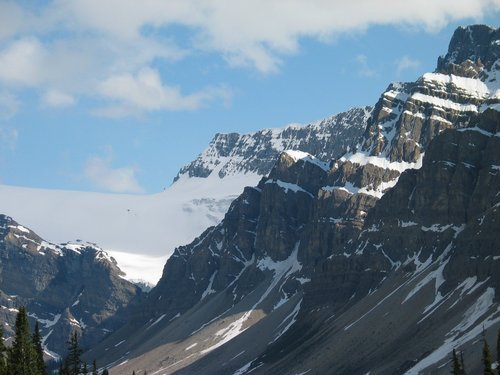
(229,154)
(15,234)
(296,155)
(409,115)
(472,49)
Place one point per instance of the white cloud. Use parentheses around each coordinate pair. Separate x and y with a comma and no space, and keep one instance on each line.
(88,46)
(21,62)
(259,32)
(56,98)
(146,91)
(99,172)
(406,63)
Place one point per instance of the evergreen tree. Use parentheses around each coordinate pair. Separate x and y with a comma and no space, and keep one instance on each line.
(3,354)
(73,361)
(22,356)
(462,364)
(63,370)
(37,343)
(105,372)
(457,370)
(486,358)
(85,370)
(94,368)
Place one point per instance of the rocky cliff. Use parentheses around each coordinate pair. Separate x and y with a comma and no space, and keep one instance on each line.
(336,267)
(67,287)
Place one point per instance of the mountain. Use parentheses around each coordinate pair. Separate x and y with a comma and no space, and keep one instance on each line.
(232,154)
(380,261)
(141,231)
(66,287)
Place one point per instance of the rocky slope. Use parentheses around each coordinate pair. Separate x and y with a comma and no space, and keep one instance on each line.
(335,267)
(67,287)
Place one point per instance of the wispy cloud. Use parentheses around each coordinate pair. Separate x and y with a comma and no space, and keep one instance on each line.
(146,91)
(102,175)
(406,63)
(364,70)
(56,98)
(82,43)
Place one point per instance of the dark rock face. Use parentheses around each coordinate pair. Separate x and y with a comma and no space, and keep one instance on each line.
(470,50)
(335,267)
(66,287)
(234,153)
(436,228)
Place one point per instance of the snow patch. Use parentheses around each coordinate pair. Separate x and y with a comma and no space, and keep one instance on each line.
(191,346)
(300,155)
(47,323)
(444,103)
(289,186)
(281,270)
(474,314)
(157,321)
(209,289)
(436,275)
(363,158)
(290,318)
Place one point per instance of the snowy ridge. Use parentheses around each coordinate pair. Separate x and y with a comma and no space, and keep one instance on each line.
(232,154)
(29,240)
(362,158)
(395,139)
(289,186)
(304,156)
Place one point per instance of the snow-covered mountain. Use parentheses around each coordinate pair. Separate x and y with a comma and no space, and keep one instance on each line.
(141,231)
(380,261)
(233,154)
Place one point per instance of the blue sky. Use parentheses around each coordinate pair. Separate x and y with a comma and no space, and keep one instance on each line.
(116,96)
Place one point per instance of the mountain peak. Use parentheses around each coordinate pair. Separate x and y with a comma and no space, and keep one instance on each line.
(471,49)
(233,153)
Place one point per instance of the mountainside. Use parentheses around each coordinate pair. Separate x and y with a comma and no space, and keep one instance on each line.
(67,287)
(335,267)
(230,154)
(141,231)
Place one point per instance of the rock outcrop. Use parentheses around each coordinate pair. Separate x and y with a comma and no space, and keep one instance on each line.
(67,287)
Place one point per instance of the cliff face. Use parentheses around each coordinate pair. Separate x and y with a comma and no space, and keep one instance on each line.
(65,287)
(334,267)
(423,270)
